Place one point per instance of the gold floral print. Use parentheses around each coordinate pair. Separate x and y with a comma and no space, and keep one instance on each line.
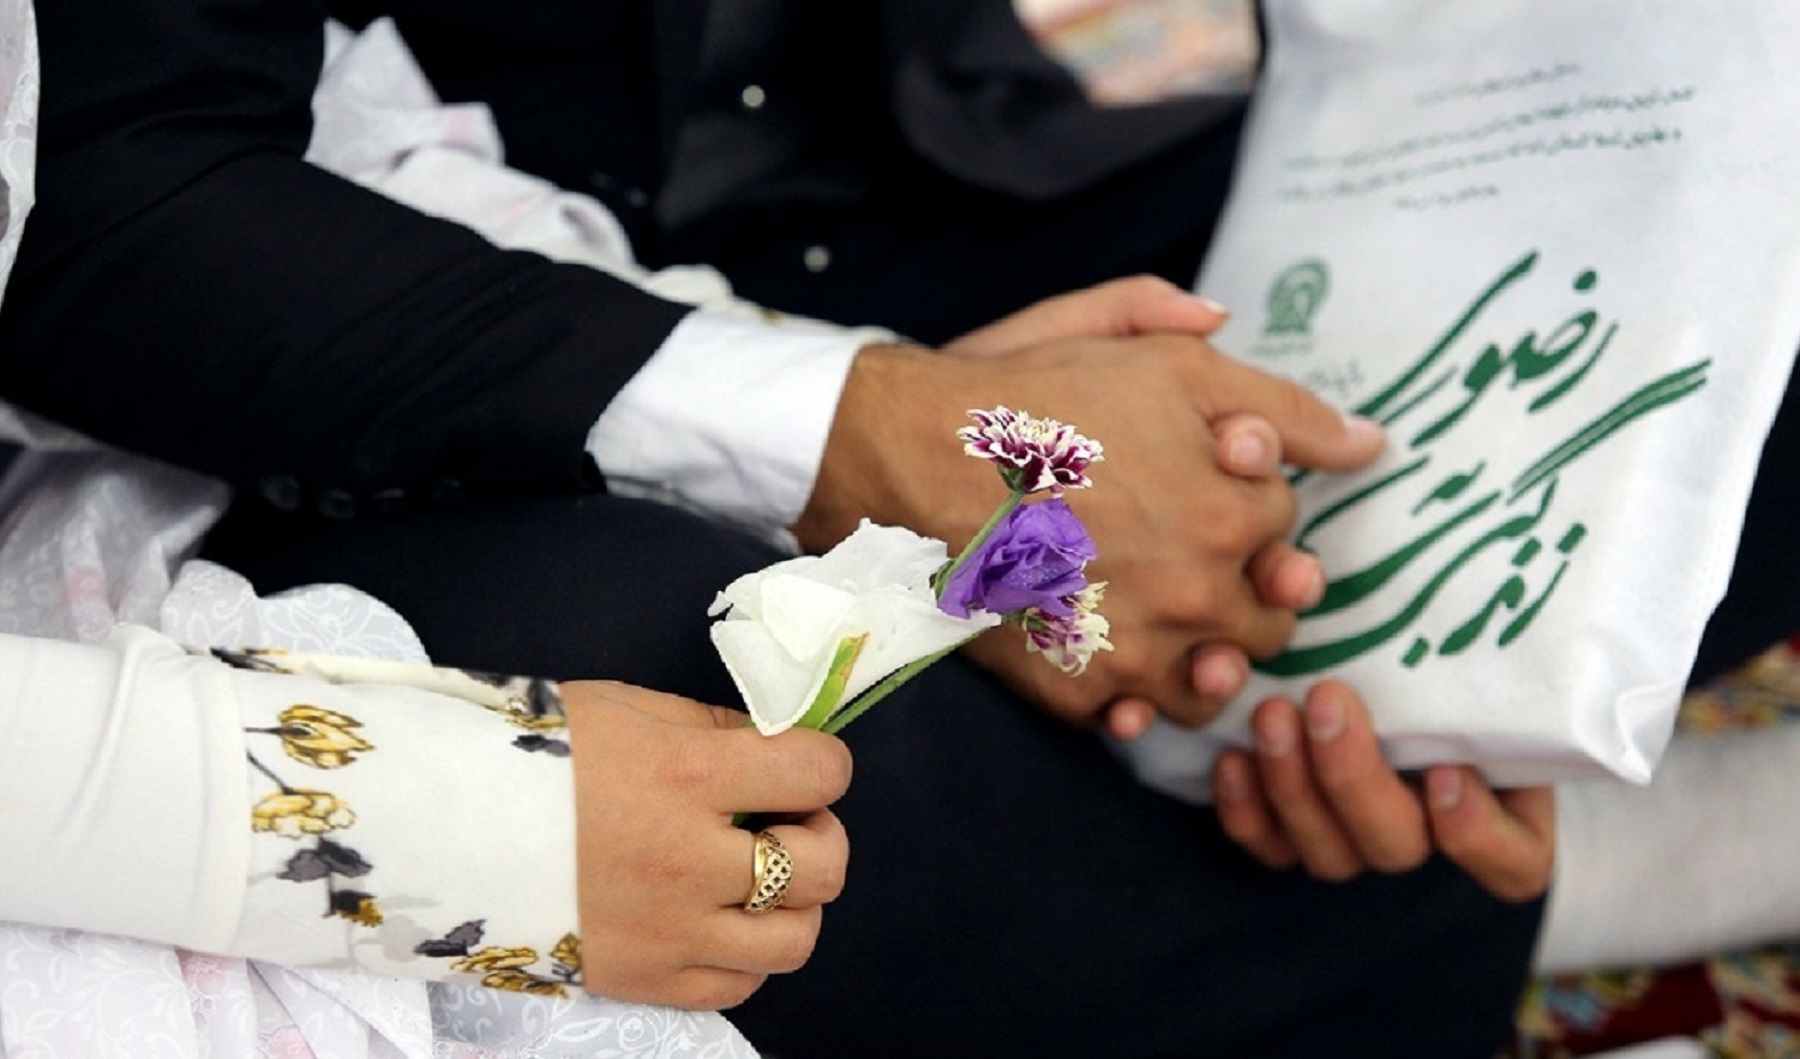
(323,738)
(293,813)
(568,952)
(521,982)
(497,958)
(319,737)
(506,967)
(356,906)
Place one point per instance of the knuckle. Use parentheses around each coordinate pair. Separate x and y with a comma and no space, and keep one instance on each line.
(688,766)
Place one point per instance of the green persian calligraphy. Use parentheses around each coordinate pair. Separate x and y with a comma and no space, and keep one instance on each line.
(1502,501)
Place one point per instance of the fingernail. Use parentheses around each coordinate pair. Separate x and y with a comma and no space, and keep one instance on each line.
(1275,737)
(1362,428)
(1324,718)
(1246,451)
(1444,787)
(1219,679)
(1313,589)
(1209,304)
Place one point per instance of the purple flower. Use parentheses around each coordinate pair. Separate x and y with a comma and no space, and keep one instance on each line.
(1032,559)
(1032,454)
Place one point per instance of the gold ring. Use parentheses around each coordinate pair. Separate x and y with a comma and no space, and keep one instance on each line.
(774,870)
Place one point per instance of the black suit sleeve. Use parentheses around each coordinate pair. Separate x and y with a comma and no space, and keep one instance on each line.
(190,288)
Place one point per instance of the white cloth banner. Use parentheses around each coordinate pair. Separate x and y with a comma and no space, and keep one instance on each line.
(1555,248)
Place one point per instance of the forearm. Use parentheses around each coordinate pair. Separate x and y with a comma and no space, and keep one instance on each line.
(190,288)
(290,819)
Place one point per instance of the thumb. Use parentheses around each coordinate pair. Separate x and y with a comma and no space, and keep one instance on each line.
(1313,433)
(1118,308)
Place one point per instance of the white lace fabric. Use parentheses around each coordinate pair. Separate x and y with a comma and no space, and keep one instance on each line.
(91,540)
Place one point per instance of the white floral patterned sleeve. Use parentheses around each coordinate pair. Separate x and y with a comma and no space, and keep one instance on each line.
(329,812)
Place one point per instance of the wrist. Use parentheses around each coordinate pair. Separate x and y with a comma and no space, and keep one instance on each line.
(899,407)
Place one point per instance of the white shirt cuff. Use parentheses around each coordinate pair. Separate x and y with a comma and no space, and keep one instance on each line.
(730,416)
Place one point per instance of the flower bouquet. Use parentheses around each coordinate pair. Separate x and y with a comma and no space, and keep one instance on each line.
(816,640)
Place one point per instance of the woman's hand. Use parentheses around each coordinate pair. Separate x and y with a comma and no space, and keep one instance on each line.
(664,874)
(1317,792)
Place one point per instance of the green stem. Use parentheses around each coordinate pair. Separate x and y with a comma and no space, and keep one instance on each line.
(884,687)
(837,678)
(1006,507)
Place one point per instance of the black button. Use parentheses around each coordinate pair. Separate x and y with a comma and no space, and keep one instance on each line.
(337,505)
(280,491)
(389,501)
(448,493)
(614,189)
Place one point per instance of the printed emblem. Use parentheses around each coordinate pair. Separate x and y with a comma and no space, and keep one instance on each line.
(1295,296)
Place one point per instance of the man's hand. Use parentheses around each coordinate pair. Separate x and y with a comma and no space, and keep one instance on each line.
(664,874)
(1184,543)
(1317,792)
(1284,576)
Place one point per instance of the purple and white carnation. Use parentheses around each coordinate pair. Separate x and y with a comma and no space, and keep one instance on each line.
(1033,454)
(1070,641)
(1032,560)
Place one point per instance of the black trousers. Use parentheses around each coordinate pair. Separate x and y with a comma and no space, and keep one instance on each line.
(1012,890)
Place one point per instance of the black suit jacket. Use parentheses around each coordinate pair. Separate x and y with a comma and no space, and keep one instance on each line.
(189,288)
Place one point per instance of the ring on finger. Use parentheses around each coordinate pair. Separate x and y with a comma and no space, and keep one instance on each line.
(773,871)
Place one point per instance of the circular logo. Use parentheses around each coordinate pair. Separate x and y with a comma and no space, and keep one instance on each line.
(1295,296)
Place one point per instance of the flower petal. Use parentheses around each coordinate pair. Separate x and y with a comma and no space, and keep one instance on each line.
(776,687)
(876,556)
(803,614)
(901,631)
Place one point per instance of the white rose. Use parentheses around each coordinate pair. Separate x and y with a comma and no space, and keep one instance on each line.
(786,622)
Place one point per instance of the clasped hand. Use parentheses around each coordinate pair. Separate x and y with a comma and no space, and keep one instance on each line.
(1188,510)
(1191,515)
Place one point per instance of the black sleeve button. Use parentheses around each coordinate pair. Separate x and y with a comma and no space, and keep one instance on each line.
(336,504)
(389,501)
(280,491)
